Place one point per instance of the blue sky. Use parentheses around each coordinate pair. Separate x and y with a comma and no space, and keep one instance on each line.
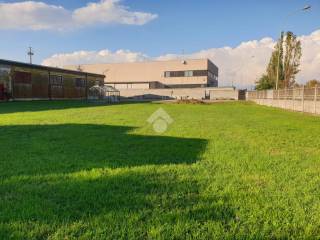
(189,25)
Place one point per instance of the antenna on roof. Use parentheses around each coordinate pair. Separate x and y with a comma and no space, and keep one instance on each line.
(30,53)
(183,60)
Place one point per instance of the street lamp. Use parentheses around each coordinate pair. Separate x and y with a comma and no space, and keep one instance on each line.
(304,9)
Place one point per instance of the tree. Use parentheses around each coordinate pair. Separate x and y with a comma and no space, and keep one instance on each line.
(291,59)
(264,83)
(285,61)
(269,79)
(312,83)
(275,63)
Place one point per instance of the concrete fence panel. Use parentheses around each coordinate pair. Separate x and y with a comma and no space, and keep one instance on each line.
(295,99)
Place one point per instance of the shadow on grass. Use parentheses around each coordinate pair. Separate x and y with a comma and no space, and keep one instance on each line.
(45,149)
(37,192)
(37,106)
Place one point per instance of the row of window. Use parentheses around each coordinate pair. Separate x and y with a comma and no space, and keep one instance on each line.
(80,82)
(190,73)
(55,80)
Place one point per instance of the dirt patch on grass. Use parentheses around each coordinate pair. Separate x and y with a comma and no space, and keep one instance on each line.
(191,101)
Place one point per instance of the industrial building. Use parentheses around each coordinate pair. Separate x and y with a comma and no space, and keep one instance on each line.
(173,79)
(22,81)
(193,73)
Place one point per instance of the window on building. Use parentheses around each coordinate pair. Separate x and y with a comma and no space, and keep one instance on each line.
(80,82)
(200,73)
(188,73)
(22,77)
(212,76)
(177,74)
(56,80)
(4,75)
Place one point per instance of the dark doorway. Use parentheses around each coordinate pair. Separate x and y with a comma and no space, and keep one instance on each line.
(242,94)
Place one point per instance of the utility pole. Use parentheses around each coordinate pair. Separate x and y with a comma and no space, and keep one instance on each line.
(30,54)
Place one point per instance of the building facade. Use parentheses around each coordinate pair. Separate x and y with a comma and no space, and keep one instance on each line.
(21,81)
(193,73)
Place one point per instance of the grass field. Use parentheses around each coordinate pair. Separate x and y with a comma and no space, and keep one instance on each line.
(71,170)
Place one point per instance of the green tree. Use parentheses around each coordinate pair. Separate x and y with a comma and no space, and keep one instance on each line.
(275,63)
(291,61)
(312,83)
(285,61)
(264,83)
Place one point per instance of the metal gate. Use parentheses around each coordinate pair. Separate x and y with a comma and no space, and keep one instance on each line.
(242,94)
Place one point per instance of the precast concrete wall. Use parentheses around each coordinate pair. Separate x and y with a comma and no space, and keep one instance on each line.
(295,99)
(181,93)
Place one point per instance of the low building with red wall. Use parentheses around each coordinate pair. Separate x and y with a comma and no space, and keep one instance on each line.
(22,81)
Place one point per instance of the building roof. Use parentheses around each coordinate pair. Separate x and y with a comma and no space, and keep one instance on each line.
(46,68)
(149,61)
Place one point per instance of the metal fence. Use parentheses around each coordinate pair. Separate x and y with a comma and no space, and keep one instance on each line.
(296,99)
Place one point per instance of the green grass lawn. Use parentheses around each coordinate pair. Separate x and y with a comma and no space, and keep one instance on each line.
(72,170)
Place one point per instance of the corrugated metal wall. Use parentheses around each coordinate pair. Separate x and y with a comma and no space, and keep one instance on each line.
(22,84)
(37,84)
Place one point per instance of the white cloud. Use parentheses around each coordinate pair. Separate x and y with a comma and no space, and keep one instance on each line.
(241,65)
(109,11)
(310,62)
(87,57)
(31,15)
